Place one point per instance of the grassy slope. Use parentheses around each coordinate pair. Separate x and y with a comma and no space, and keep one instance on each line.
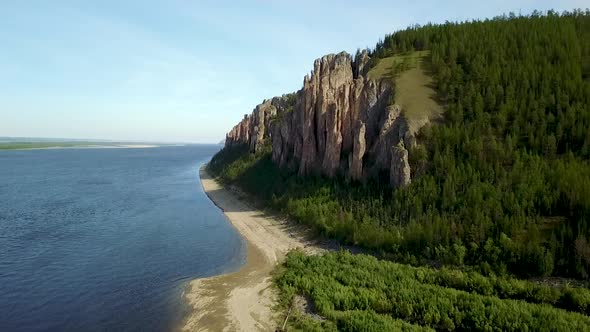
(413,86)
(389,67)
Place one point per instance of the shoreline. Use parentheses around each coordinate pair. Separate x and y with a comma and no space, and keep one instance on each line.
(243,300)
(57,147)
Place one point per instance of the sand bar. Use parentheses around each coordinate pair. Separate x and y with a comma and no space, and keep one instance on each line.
(243,300)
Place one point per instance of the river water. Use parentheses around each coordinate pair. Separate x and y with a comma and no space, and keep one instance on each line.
(106,239)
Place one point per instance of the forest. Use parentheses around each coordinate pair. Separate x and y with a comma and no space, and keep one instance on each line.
(361,293)
(501,186)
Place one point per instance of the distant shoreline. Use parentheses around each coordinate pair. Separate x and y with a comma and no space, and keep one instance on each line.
(83,146)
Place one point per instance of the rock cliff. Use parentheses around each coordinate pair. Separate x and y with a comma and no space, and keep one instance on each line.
(339,123)
(253,129)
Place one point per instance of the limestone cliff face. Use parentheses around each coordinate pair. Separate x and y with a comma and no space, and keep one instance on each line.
(339,123)
(254,128)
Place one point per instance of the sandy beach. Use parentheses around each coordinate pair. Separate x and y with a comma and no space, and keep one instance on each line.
(243,300)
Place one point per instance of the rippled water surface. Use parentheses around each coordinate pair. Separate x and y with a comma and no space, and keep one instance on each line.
(106,239)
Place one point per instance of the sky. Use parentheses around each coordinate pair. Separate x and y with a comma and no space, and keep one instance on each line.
(180,70)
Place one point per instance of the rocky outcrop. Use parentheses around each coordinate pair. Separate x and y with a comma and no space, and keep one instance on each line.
(399,175)
(356,158)
(253,130)
(240,133)
(339,123)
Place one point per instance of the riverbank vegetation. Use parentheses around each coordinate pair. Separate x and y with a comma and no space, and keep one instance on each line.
(349,292)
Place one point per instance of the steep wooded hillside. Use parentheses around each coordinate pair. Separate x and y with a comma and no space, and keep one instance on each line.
(500,182)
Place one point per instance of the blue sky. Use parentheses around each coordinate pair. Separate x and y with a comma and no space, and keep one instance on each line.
(184,71)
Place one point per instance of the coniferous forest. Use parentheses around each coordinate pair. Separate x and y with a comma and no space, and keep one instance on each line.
(507,174)
(500,187)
